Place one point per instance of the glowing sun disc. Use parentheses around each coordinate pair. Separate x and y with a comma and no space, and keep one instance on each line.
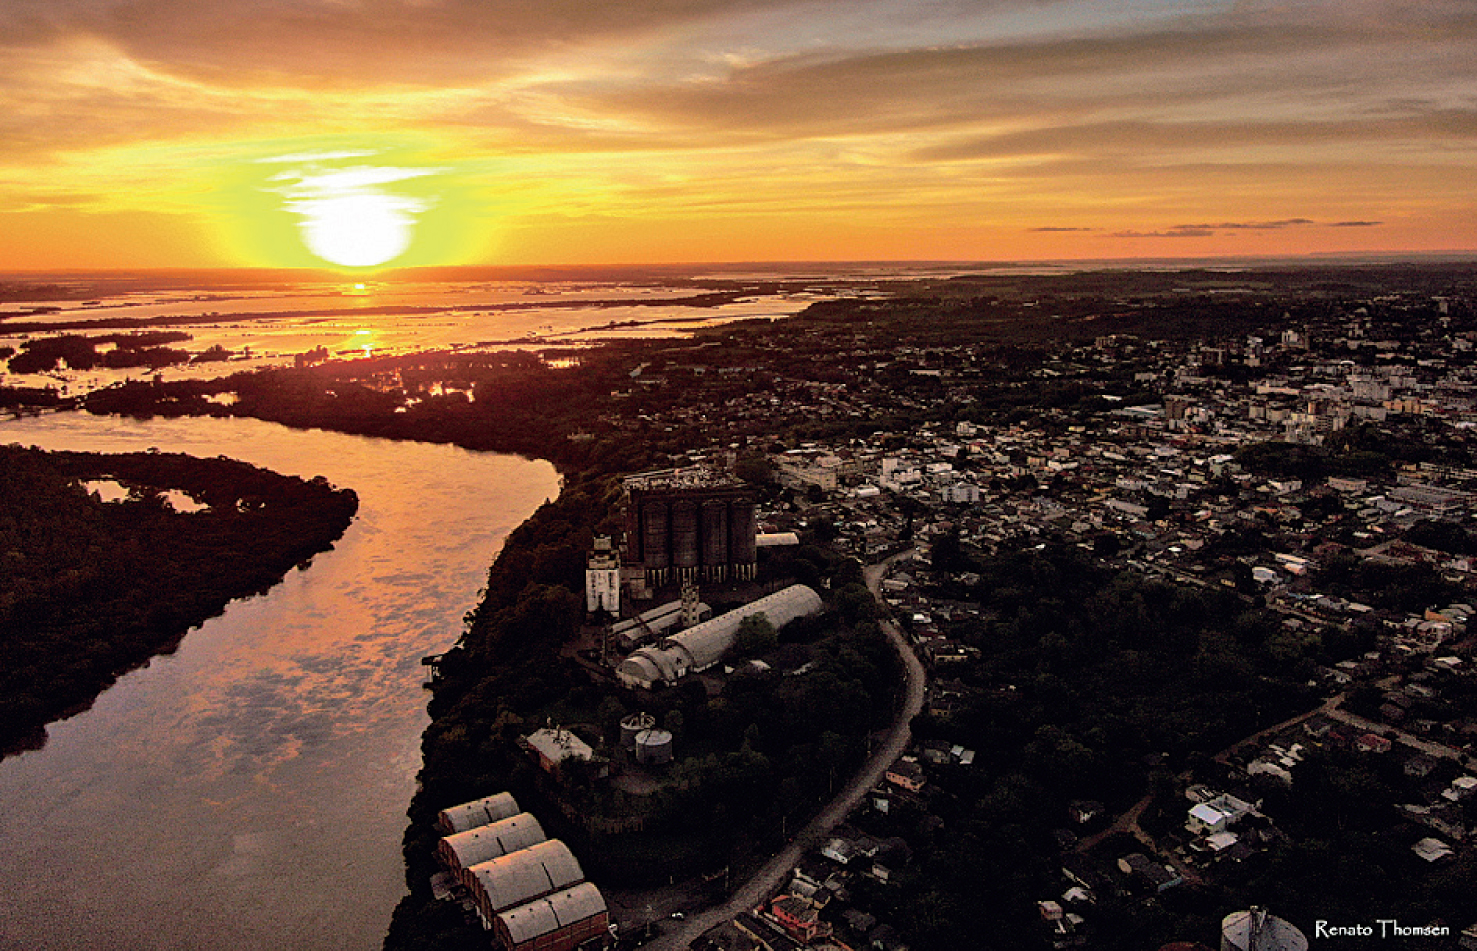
(350,216)
(357,230)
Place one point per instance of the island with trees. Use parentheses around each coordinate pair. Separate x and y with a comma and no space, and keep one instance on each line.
(90,589)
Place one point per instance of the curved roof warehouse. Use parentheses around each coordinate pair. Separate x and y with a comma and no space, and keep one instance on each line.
(563,919)
(702,645)
(470,815)
(463,850)
(522,876)
(528,890)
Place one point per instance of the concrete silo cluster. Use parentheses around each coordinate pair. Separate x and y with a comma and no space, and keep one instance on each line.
(688,524)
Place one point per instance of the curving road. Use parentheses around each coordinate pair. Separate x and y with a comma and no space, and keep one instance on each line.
(769,878)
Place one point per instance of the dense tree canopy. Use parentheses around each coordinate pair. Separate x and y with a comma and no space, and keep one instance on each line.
(89,589)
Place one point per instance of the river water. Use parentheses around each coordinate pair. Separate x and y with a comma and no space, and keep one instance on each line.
(249,791)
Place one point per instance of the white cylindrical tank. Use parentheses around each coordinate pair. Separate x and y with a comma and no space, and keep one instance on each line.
(653,747)
(1259,930)
(634,725)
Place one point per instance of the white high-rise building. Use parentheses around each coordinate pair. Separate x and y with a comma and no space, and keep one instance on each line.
(603,578)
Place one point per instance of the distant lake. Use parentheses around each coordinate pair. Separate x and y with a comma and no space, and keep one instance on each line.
(249,791)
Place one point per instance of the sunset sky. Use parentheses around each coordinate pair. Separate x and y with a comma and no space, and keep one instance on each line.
(158,133)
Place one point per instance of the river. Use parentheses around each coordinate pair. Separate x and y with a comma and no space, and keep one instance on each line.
(249,790)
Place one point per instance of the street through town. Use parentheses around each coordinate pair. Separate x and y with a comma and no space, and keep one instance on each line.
(769,878)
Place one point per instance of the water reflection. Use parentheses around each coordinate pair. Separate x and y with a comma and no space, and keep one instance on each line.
(249,790)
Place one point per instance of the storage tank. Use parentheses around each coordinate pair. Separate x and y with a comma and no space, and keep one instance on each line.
(1259,930)
(741,530)
(654,534)
(635,724)
(715,533)
(653,747)
(684,534)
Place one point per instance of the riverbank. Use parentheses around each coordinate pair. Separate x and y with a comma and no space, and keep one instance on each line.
(201,801)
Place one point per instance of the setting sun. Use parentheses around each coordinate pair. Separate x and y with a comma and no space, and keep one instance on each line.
(348,216)
(357,230)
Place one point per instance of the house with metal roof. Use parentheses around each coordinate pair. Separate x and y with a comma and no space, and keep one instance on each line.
(1217,815)
(554,745)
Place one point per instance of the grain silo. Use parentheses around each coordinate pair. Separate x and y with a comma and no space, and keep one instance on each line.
(684,537)
(635,724)
(654,747)
(1258,930)
(654,550)
(715,535)
(696,520)
(742,528)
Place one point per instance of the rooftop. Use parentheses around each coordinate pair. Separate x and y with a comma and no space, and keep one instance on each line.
(687,477)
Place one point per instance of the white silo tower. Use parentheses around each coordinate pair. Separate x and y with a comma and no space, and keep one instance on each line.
(1259,930)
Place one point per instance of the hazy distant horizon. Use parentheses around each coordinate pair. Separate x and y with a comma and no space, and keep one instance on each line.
(537,272)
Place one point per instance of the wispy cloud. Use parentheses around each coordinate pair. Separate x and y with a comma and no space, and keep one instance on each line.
(1266,121)
(1171,233)
(1248,225)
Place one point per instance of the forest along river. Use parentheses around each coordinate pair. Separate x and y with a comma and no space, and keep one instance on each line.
(249,791)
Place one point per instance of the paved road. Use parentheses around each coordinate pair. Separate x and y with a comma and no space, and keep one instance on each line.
(1332,709)
(769,878)
(1370,726)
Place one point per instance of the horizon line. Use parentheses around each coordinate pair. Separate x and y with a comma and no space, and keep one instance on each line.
(1319,257)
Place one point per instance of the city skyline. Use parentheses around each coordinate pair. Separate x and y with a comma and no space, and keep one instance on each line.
(161,134)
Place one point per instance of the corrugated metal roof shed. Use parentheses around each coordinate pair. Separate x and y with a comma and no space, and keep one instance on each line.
(556,745)
(481,812)
(524,875)
(485,843)
(705,643)
(702,645)
(559,910)
(638,670)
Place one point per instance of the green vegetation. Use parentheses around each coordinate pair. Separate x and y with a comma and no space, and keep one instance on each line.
(752,760)
(1086,675)
(141,349)
(1364,451)
(756,636)
(1399,587)
(90,589)
(1346,858)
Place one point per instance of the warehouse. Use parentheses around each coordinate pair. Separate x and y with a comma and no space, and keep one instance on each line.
(559,922)
(522,876)
(463,850)
(470,815)
(655,623)
(703,645)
